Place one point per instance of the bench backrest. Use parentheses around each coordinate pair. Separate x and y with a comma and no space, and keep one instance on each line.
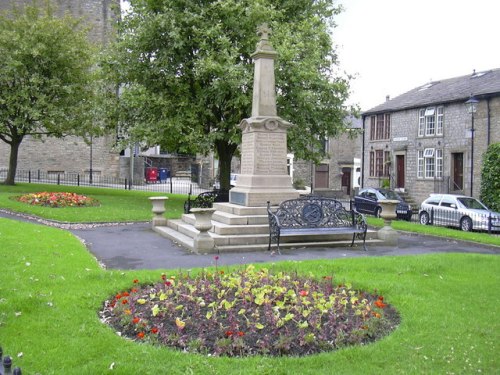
(314,212)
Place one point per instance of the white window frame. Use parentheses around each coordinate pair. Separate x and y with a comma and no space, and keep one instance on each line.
(430,163)
(431,121)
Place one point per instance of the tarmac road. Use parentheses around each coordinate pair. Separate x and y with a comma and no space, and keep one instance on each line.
(136,246)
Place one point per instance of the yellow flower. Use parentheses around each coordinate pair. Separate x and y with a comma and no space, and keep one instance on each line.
(179,323)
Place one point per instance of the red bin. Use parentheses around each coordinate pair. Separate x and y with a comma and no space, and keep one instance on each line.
(152,175)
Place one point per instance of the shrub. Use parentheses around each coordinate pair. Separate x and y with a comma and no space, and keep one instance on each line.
(250,312)
(490,177)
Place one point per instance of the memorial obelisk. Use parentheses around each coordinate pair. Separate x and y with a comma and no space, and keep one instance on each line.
(264,174)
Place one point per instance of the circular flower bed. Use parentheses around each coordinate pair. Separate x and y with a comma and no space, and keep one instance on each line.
(249,312)
(58,199)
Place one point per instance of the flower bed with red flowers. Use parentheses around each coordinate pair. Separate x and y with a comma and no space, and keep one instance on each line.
(250,312)
(58,199)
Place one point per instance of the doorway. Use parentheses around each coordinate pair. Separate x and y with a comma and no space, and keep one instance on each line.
(346,180)
(400,171)
(458,171)
(321,176)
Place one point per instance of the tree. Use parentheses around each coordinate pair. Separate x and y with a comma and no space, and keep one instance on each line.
(186,72)
(45,78)
(490,177)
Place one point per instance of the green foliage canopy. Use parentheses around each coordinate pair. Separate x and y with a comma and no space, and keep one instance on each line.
(45,77)
(490,177)
(186,74)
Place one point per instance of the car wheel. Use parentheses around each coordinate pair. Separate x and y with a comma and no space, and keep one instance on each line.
(378,210)
(424,218)
(466,224)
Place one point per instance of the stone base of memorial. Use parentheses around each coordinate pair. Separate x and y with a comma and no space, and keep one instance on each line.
(387,233)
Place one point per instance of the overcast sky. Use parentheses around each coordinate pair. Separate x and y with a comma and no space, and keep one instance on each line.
(393,46)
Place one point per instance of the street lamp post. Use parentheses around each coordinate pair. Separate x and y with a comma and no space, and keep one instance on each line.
(471,106)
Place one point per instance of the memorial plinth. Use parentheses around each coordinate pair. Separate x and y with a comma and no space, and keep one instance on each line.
(264,175)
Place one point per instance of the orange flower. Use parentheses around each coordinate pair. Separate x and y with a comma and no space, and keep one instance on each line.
(154,330)
(380,304)
(240,333)
(124,302)
(303,293)
(136,320)
(140,335)
(136,281)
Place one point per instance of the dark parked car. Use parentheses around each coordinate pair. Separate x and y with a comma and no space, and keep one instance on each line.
(367,202)
(461,211)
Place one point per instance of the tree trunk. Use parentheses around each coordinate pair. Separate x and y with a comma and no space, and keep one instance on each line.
(225,152)
(14,152)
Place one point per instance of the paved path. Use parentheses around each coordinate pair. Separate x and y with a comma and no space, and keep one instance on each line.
(136,246)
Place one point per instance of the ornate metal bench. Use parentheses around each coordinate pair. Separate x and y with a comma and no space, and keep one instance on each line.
(313,215)
(206,200)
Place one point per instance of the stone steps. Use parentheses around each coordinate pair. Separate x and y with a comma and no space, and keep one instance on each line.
(237,228)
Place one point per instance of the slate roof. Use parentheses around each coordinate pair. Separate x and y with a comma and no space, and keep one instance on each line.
(479,84)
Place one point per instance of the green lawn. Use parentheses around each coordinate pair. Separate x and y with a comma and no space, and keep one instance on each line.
(116,205)
(52,288)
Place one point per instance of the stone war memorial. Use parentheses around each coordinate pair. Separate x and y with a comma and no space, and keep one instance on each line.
(242,224)
(263,174)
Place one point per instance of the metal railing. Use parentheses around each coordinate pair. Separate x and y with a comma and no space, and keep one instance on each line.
(456,217)
(175,185)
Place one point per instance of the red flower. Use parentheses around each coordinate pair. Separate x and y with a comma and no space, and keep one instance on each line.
(229,333)
(240,333)
(136,320)
(118,296)
(140,335)
(134,290)
(125,294)
(303,293)
(380,304)
(136,281)
(124,302)
(154,330)
(168,283)
(381,298)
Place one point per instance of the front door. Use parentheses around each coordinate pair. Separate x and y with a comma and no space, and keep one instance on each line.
(400,171)
(346,180)
(321,176)
(458,171)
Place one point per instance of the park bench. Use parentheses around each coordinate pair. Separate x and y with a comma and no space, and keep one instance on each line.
(311,216)
(206,199)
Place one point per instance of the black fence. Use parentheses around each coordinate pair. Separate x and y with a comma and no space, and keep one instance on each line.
(176,185)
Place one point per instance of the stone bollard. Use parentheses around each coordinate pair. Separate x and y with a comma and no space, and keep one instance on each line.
(387,234)
(158,211)
(203,223)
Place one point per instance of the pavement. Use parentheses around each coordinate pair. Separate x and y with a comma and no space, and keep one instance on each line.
(133,246)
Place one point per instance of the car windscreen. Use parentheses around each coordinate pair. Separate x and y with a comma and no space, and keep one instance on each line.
(472,203)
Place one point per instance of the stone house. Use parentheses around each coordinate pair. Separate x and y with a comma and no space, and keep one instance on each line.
(339,174)
(427,141)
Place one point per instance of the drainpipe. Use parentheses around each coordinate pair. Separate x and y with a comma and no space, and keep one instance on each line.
(363,156)
(488,121)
